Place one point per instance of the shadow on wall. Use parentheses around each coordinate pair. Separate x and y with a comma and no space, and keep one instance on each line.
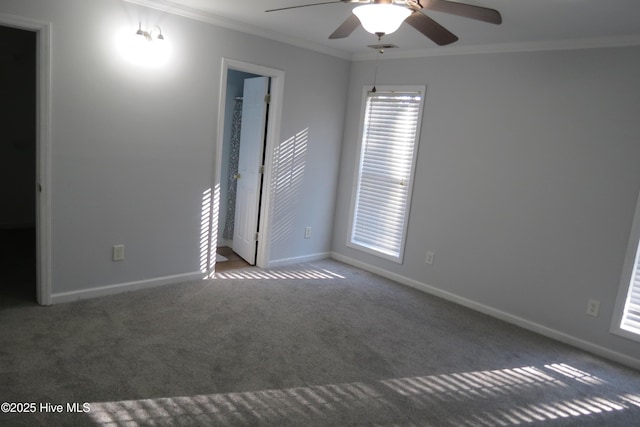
(288,172)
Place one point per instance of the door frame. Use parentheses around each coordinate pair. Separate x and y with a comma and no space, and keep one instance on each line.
(43,155)
(271,140)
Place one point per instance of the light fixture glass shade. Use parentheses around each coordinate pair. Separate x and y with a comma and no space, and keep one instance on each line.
(381,18)
(143,50)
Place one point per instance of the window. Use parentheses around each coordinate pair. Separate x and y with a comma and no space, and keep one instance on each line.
(626,318)
(391,125)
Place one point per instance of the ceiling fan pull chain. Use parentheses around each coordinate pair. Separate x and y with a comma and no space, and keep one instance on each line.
(375,73)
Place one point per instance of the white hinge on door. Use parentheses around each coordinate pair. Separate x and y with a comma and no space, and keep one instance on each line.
(257,236)
(261,169)
(267,98)
(39,188)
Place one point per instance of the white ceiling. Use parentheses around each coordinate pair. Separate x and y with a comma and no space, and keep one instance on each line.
(527,25)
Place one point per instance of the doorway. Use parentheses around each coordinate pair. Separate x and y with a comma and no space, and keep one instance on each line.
(243,147)
(250,110)
(18,165)
(25,78)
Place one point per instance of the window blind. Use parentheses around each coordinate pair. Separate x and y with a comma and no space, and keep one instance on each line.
(631,315)
(385,174)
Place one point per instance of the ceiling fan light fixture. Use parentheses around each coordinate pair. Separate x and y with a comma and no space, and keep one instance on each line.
(381,18)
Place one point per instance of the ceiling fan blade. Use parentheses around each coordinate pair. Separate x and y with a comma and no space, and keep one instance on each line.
(312,4)
(430,28)
(465,10)
(346,27)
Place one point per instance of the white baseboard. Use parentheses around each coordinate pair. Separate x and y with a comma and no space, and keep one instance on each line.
(101,291)
(307,258)
(493,312)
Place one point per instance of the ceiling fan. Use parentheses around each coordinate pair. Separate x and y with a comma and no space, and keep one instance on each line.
(382,17)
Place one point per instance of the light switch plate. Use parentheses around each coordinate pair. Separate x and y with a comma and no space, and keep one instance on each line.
(593,307)
(429,258)
(118,252)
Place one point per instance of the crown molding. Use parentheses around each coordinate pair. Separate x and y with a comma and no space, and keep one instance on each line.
(591,43)
(210,18)
(548,45)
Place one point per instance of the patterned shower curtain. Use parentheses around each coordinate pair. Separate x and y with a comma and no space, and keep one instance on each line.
(234,155)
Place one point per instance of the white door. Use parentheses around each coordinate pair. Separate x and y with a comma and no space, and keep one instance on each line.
(254,119)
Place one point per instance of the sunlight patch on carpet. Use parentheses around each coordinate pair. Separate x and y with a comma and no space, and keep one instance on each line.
(503,397)
(280,274)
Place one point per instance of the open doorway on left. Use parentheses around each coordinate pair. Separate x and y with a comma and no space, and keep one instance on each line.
(18,279)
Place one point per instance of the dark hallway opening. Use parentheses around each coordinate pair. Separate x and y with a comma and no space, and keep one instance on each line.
(17,166)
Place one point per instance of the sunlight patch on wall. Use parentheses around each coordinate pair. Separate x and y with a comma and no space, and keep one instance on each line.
(210,209)
(288,173)
(205,231)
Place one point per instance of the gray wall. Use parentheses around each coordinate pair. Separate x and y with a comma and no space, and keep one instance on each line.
(526,182)
(17,124)
(526,178)
(133,148)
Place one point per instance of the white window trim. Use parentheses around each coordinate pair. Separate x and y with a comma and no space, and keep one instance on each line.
(354,190)
(628,268)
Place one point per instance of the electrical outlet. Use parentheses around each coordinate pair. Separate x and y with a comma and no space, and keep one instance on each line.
(429,258)
(118,252)
(307,232)
(593,307)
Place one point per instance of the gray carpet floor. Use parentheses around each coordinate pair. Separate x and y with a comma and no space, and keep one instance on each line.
(314,344)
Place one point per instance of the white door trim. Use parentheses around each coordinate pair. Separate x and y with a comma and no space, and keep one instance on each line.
(272,138)
(43,155)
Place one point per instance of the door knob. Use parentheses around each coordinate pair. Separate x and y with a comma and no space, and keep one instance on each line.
(236,176)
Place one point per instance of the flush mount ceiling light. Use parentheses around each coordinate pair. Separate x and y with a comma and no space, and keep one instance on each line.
(381,18)
(148,35)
